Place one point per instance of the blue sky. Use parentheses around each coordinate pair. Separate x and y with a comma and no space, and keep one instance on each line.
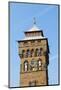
(21,19)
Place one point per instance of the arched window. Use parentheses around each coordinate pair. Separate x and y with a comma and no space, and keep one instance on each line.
(36,52)
(39,64)
(23,53)
(27,53)
(41,51)
(32,52)
(26,66)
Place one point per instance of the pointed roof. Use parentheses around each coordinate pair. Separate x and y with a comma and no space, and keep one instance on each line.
(34,28)
(31,30)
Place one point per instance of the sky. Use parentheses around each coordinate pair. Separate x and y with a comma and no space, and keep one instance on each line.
(21,19)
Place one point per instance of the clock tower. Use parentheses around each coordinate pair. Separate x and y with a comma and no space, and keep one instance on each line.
(34,58)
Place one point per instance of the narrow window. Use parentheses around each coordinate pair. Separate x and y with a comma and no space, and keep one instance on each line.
(36,52)
(32,52)
(40,52)
(39,64)
(26,66)
(23,53)
(28,53)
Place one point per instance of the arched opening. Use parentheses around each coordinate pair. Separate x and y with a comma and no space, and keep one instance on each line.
(39,64)
(32,52)
(40,51)
(23,53)
(36,52)
(27,53)
(26,66)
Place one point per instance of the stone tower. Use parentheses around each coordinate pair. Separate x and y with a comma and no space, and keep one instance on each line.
(34,58)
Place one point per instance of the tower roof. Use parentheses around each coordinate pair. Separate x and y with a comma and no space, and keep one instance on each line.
(34,28)
(33,38)
(37,35)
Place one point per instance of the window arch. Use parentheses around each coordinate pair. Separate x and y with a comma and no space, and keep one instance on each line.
(39,64)
(36,52)
(32,52)
(26,66)
(23,53)
(27,53)
(40,52)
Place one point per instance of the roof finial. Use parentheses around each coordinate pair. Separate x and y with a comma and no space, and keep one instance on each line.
(34,22)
